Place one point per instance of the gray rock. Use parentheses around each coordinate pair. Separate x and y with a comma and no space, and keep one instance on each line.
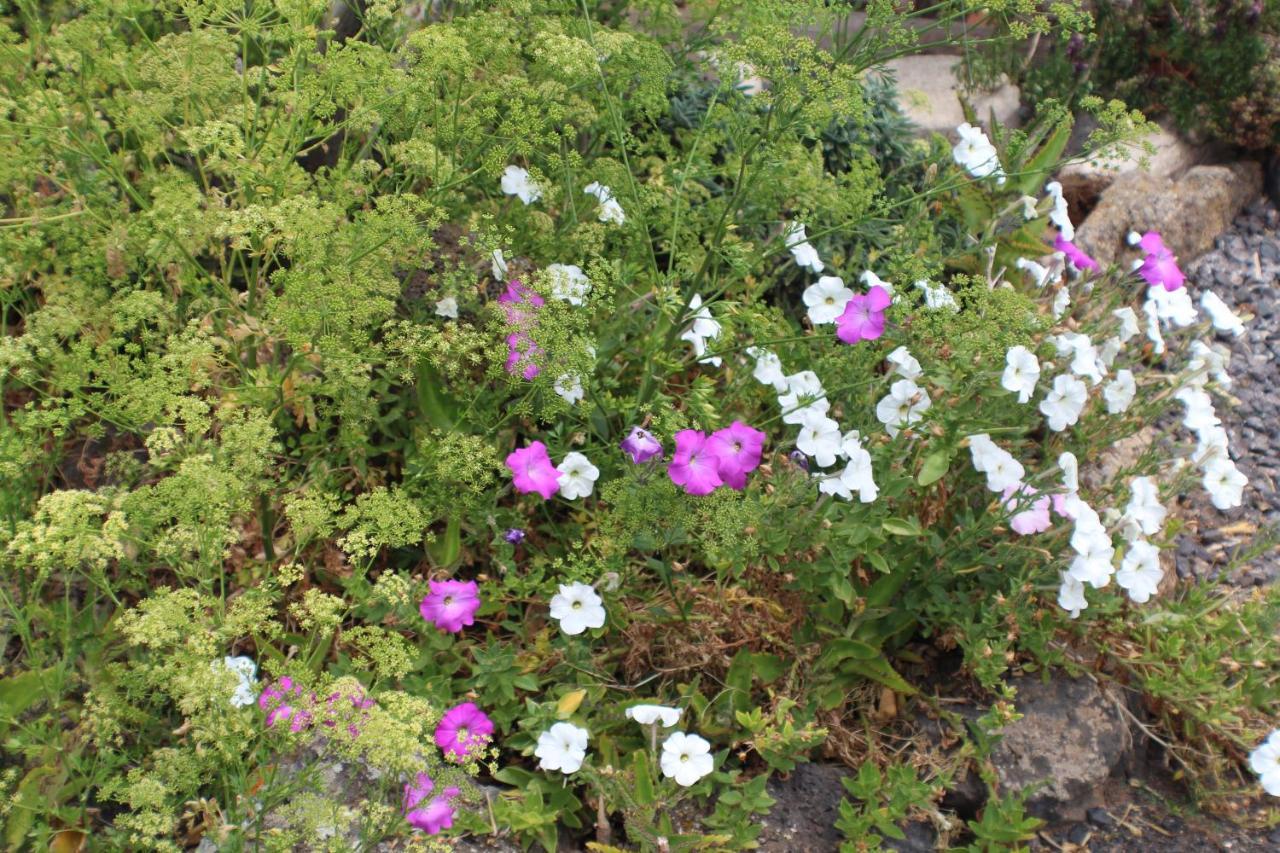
(1071,738)
(929,91)
(807,807)
(1082,182)
(1189,213)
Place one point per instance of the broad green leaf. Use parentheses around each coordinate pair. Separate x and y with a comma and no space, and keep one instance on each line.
(934,467)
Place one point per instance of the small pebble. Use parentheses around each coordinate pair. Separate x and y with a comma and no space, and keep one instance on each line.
(1100,817)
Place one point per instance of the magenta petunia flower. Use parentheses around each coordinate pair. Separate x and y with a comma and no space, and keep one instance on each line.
(532,471)
(463,731)
(429,815)
(1034,519)
(1077,256)
(451,605)
(521,306)
(1160,266)
(863,317)
(641,446)
(693,466)
(737,450)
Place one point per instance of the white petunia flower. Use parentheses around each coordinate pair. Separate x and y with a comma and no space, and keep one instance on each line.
(1144,515)
(768,369)
(610,210)
(1071,596)
(869,280)
(1002,470)
(1173,306)
(976,155)
(569,387)
(1109,350)
(579,475)
(1021,372)
(498,265)
(1119,392)
(826,299)
(1061,302)
(1040,274)
(903,406)
(936,296)
(1209,361)
(447,307)
(904,363)
(1128,323)
(568,283)
(804,394)
(516,181)
(819,438)
(1058,213)
(1094,553)
(1198,411)
(577,607)
(1029,207)
(1064,402)
(1211,443)
(1224,319)
(1224,482)
(703,327)
(1070,471)
(1153,326)
(686,758)
(562,747)
(648,715)
(798,242)
(1084,356)
(1265,761)
(246,671)
(1140,573)
(857,476)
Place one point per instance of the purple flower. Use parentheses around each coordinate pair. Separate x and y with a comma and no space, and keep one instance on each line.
(737,450)
(463,731)
(451,605)
(514,535)
(1159,267)
(433,815)
(863,317)
(276,701)
(693,466)
(532,471)
(1075,254)
(799,459)
(641,445)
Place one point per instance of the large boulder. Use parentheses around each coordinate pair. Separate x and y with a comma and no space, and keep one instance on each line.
(1071,738)
(1189,212)
(1084,181)
(928,90)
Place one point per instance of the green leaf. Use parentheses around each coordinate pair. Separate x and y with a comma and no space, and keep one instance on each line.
(446,549)
(934,467)
(643,790)
(846,647)
(878,670)
(902,526)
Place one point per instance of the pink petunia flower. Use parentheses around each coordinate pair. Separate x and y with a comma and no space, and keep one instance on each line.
(693,466)
(641,446)
(429,815)
(521,304)
(463,731)
(451,605)
(863,317)
(1032,520)
(737,450)
(1160,266)
(532,471)
(1077,256)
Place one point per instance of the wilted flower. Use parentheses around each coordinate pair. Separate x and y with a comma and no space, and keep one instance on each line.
(686,758)
(648,715)
(1159,266)
(577,607)
(826,299)
(1058,214)
(577,476)
(703,328)
(563,747)
(693,465)
(903,407)
(532,471)
(429,815)
(447,307)
(451,605)
(641,446)
(863,316)
(463,731)
(936,296)
(736,449)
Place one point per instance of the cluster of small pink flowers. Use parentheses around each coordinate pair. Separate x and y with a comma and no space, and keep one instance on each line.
(702,463)
(285,700)
(273,701)
(521,310)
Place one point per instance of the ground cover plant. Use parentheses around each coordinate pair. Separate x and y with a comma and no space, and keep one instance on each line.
(592,400)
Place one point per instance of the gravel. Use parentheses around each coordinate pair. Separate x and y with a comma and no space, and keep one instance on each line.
(1240,545)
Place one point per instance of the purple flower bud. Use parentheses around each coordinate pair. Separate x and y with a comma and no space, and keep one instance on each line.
(515,536)
(641,445)
(800,460)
